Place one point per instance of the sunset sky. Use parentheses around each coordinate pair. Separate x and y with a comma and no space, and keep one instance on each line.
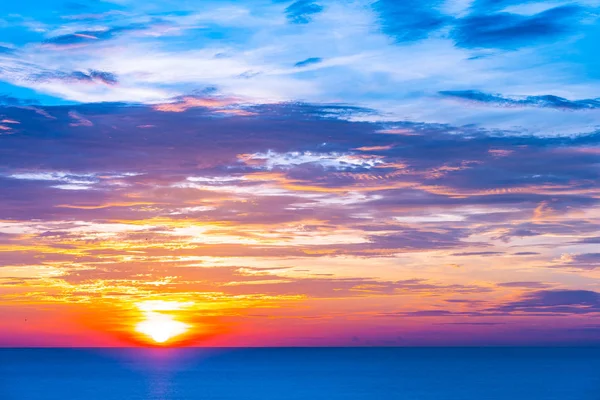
(308,173)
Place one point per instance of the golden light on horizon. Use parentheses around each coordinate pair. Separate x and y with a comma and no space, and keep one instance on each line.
(159,326)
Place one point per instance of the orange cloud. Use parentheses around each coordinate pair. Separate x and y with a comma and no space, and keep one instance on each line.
(188,102)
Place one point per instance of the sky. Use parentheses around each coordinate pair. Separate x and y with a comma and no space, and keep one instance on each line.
(299,173)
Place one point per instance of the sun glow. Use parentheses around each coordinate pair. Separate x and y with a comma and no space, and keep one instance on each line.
(159,326)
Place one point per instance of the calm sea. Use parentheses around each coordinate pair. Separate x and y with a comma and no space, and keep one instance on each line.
(301,373)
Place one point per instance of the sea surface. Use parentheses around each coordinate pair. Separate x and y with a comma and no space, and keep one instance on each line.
(301,373)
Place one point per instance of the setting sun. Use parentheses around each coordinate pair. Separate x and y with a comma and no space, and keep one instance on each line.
(158,326)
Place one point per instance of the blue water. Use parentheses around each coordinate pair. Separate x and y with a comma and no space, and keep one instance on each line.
(300,373)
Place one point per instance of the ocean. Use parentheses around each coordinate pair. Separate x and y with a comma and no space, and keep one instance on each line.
(301,373)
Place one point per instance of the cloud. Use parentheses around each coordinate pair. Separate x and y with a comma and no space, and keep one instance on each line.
(308,61)
(302,11)
(535,304)
(589,240)
(186,102)
(555,302)
(473,323)
(426,169)
(157,57)
(497,5)
(339,161)
(336,287)
(6,50)
(87,37)
(528,285)
(477,253)
(512,31)
(428,313)
(299,186)
(14,101)
(410,20)
(547,101)
(585,261)
(517,232)
(91,76)
(236,281)
(79,120)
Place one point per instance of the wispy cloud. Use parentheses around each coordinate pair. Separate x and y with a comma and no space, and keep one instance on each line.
(510,31)
(302,11)
(547,101)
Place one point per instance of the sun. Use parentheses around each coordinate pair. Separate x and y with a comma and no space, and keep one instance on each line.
(161,327)
(158,326)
